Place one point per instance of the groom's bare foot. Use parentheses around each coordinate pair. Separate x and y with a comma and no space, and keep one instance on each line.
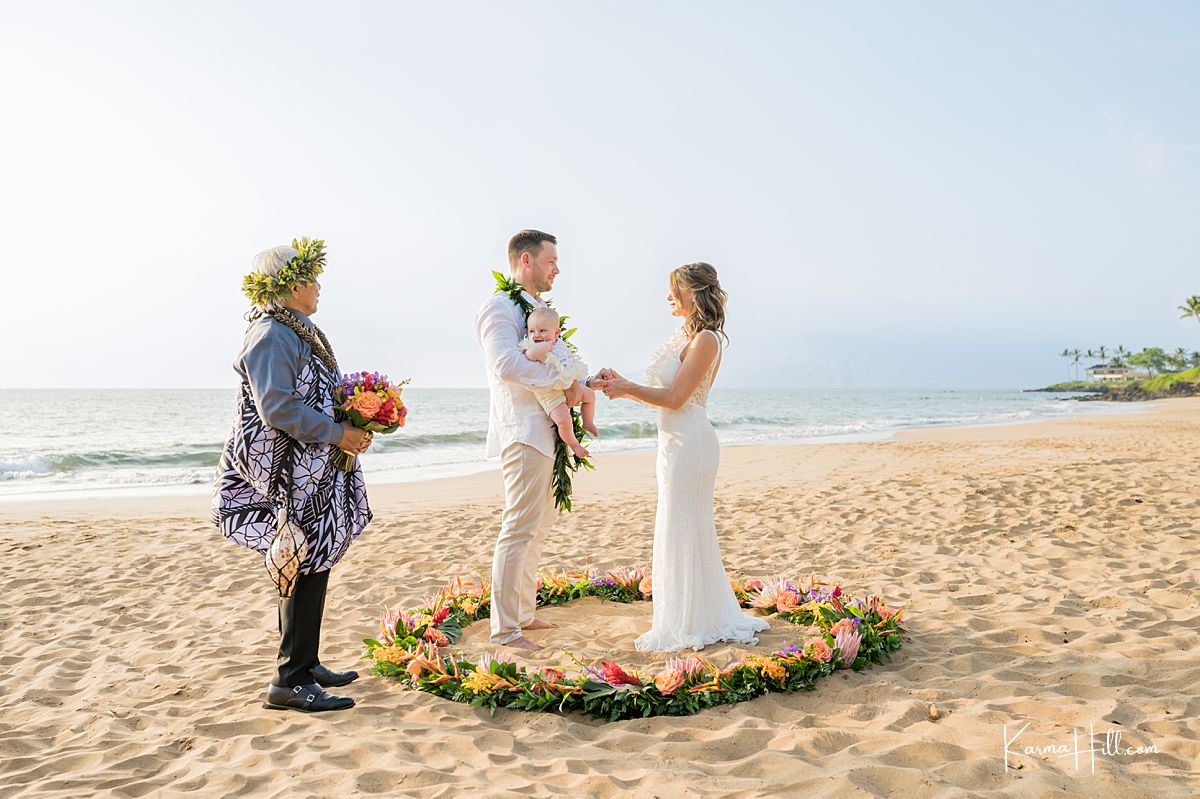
(521,642)
(538,624)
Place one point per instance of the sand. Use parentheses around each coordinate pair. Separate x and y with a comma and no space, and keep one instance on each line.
(1049,573)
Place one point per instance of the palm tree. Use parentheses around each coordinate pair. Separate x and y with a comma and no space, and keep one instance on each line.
(1191,307)
(1102,352)
(1194,359)
(1075,356)
(1067,355)
(1121,356)
(1179,359)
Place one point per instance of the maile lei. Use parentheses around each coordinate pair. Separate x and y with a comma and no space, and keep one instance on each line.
(566,463)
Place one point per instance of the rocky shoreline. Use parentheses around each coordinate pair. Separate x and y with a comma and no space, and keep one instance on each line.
(1138,393)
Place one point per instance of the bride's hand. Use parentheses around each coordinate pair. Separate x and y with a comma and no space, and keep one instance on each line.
(615,386)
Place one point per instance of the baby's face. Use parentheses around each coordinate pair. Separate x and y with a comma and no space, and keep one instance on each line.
(542,330)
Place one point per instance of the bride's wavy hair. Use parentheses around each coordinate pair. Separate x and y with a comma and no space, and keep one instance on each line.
(709,310)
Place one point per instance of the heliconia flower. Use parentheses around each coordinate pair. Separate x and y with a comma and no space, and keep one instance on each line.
(440,616)
(646,586)
(788,600)
(415,668)
(615,675)
(847,642)
(669,681)
(817,649)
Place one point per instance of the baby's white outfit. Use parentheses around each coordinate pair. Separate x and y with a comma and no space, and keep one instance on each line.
(566,364)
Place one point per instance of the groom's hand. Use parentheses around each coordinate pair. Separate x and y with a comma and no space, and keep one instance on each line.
(574,394)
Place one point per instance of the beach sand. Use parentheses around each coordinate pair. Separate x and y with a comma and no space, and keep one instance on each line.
(1048,571)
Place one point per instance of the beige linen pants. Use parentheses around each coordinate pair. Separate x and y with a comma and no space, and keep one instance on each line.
(528,514)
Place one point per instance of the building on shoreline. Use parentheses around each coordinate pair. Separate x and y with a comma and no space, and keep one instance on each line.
(1107,371)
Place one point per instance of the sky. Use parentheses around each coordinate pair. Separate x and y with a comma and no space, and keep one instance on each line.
(926,194)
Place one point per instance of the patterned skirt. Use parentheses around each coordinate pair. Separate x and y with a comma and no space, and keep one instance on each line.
(264,470)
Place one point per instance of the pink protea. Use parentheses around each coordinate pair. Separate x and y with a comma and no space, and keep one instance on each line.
(847,642)
(488,658)
(689,665)
(769,592)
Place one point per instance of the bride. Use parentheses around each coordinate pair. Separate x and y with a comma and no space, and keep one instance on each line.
(693,600)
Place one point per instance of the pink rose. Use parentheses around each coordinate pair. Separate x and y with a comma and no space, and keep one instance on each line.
(646,586)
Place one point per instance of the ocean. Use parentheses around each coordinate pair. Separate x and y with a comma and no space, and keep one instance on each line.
(119,441)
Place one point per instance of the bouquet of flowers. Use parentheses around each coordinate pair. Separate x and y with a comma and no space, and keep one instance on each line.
(369,401)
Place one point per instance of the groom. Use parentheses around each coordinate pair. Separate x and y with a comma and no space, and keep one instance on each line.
(522,435)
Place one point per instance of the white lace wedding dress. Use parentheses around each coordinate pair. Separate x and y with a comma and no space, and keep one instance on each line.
(692,598)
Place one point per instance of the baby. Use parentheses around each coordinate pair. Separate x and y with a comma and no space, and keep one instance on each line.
(544,344)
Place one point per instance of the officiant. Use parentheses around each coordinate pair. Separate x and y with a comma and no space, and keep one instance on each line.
(275,477)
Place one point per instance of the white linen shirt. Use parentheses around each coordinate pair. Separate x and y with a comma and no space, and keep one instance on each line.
(514,415)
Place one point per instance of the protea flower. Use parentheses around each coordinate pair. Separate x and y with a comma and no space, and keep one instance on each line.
(488,658)
(847,642)
(689,665)
(769,592)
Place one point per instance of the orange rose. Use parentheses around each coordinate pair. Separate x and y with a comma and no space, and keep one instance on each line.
(788,601)
(668,682)
(842,624)
(368,404)
(645,586)
(817,649)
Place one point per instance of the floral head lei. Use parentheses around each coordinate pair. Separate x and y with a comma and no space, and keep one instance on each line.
(303,268)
